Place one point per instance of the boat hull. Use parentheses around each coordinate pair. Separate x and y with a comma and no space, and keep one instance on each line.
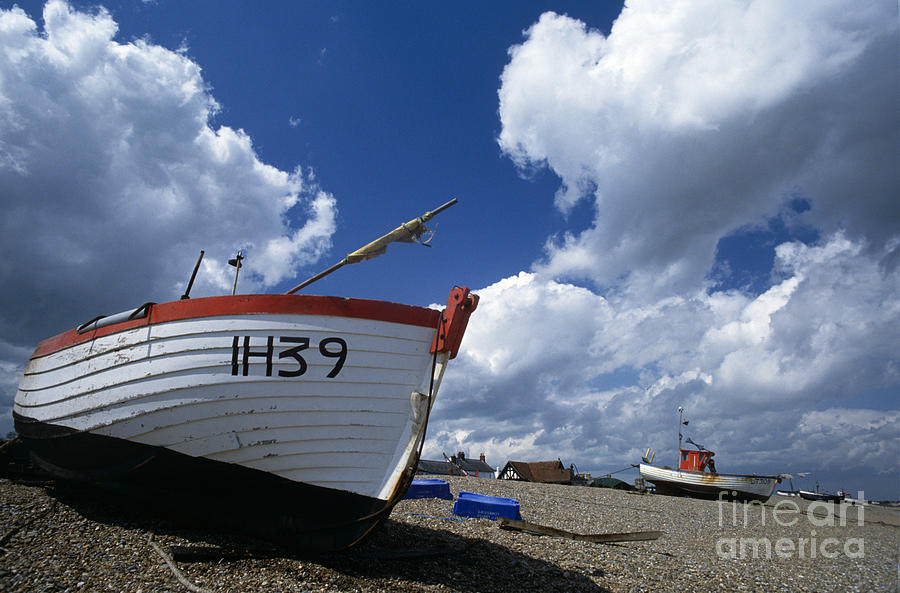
(294,418)
(705,485)
(204,492)
(820,496)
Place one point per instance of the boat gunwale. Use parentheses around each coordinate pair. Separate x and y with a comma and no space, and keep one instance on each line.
(276,304)
(697,473)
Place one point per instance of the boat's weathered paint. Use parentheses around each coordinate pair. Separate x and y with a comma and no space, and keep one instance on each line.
(329,394)
(694,483)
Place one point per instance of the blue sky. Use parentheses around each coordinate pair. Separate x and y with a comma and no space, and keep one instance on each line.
(681,205)
(394,108)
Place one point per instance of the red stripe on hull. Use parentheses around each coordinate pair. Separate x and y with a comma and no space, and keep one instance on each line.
(278,304)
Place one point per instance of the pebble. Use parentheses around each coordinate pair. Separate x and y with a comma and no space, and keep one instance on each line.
(66,538)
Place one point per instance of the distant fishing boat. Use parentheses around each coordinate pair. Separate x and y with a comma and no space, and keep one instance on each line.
(697,476)
(822,496)
(298,419)
(709,485)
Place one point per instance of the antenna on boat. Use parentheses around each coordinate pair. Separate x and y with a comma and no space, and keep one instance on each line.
(681,422)
(408,232)
(187,291)
(236,262)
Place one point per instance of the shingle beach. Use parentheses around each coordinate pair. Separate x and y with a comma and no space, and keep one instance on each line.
(65,538)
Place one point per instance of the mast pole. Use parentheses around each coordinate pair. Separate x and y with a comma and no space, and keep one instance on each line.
(236,262)
(187,291)
(407,232)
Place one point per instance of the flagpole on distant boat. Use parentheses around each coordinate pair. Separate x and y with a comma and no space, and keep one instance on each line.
(680,423)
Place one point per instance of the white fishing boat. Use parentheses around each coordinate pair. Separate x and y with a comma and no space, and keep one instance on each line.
(822,496)
(696,475)
(709,485)
(295,418)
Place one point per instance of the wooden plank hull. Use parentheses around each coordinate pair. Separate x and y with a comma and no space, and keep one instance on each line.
(705,485)
(315,399)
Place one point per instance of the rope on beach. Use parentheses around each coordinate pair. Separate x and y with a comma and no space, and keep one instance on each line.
(618,471)
(178,574)
(462,519)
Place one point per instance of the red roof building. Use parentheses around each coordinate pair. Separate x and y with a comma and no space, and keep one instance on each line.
(545,472)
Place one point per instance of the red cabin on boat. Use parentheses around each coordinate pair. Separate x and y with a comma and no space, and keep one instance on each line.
(697,461)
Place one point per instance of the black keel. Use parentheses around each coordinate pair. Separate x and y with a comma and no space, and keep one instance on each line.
(224,495)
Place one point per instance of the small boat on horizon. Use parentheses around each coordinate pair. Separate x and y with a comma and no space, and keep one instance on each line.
(822,496)
(697,476)
(297,419)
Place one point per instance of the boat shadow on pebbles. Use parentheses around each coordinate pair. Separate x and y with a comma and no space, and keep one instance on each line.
(121,511)
(398,555)
(438,557)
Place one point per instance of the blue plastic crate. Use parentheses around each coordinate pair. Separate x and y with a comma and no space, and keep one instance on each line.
(429,489)
(481,506)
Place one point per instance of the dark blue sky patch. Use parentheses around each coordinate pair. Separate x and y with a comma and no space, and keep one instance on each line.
(618,379)
(745,258)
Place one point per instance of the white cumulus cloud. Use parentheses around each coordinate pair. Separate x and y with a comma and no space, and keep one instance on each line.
(694,121)
(551,369)
(113,177)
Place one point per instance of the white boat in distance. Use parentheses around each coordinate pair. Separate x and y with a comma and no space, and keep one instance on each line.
(709,485)
(295,418)
(697,476)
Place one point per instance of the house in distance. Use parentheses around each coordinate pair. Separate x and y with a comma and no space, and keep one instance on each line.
(457,465)
(477,468)
(545,472)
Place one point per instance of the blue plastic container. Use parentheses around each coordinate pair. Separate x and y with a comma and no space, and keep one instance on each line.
(429,489)
(481,506)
